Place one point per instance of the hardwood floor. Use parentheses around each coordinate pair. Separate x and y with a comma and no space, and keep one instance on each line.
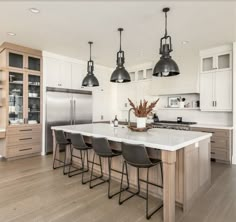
(30,191)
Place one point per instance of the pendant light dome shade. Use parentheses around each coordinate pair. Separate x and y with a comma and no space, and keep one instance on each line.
(90,79)
(166,66)
(120,74)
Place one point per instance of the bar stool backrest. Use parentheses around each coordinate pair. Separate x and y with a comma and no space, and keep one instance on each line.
(60,137)
(135,154)
(101,146)
(77,140)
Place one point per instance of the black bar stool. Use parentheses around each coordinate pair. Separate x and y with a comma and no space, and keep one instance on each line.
(137,156)
(61,140)
(77,142)
(102,149)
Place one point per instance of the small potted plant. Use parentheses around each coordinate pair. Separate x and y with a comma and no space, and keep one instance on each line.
(181,102)
(142,110)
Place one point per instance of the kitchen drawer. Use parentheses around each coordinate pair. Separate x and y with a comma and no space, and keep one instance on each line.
(15,151)
(21,139)
(215,132)
(220,143)
(12,130)
(2,135)
(219,154)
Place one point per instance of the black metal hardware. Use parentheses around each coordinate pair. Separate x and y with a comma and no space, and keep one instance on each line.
(120,75)
(26,138)
(166,66)
(90,79)
(25,130)
(25,149)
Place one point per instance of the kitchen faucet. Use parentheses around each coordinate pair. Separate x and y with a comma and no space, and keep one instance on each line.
(129,116)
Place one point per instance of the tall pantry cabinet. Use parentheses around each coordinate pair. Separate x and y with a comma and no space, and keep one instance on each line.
(216,79)
(21,110)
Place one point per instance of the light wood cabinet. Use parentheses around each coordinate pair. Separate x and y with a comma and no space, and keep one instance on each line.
(216,80)
(221,143)
(22,111)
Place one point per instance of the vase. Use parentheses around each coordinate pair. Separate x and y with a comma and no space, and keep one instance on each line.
(141,122)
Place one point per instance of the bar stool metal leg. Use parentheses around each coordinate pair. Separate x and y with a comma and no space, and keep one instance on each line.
(94,177)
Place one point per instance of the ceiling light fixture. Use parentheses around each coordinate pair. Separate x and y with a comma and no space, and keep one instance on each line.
(90,79)
(34,10)
(120,75)
(185,42)
(11,33)
(166,66)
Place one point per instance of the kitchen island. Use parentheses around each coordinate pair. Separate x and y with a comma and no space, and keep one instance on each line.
(185,156)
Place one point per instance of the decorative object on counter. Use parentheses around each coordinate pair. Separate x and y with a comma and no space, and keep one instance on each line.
(90,79)
(142,110)
(116,122)
(120,75)
(136,129)
(173,101)
(181,102)
(166,66)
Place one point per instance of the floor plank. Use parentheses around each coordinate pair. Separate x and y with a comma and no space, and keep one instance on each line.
(31,191)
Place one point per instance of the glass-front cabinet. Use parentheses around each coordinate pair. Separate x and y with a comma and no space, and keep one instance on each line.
(17,60)
(34,99)
(16,98)
(216,62)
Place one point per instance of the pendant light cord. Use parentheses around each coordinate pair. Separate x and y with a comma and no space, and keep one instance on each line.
(90,44)
(120,30)
(120,39)
(165,24)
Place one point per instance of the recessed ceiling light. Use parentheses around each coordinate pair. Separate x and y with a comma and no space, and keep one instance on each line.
(11,33)
(34,10)
(185,42)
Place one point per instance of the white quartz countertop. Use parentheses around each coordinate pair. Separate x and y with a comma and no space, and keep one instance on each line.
(2,130)
(213,126)
(164,139)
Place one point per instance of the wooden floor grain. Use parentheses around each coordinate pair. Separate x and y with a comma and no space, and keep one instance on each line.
(30,191)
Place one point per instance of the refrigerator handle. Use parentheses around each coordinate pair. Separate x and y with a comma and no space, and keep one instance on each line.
(74,111)
(71,112)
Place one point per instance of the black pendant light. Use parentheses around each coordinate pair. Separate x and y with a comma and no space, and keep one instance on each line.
(120,75)
(166,66)
(90,79)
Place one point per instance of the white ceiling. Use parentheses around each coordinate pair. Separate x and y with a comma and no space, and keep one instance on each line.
(65,27)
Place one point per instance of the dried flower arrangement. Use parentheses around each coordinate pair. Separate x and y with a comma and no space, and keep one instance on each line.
(143,109)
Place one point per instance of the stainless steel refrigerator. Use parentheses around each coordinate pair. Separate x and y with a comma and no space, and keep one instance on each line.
(66,107)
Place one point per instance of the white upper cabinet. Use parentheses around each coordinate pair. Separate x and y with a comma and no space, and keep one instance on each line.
(216,79)
(216,59)
(65,75)
(78,72)
(52,70)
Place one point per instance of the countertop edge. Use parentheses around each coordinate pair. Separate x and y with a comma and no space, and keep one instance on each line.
(212,126)
(151,145)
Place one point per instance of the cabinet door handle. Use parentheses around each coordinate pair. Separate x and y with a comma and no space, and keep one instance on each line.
(26,138)
(215,103)
(212,141)
(25,149)
(207,132)
(26,130)
(213,153)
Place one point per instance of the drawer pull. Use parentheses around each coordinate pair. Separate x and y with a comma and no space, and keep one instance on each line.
(213,153)
(25,149)
(26,139)
(207,132)
(212,141)
(26,130)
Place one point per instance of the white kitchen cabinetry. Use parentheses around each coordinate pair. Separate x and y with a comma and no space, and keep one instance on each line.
(216,80)
(78,72)
(221,61)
